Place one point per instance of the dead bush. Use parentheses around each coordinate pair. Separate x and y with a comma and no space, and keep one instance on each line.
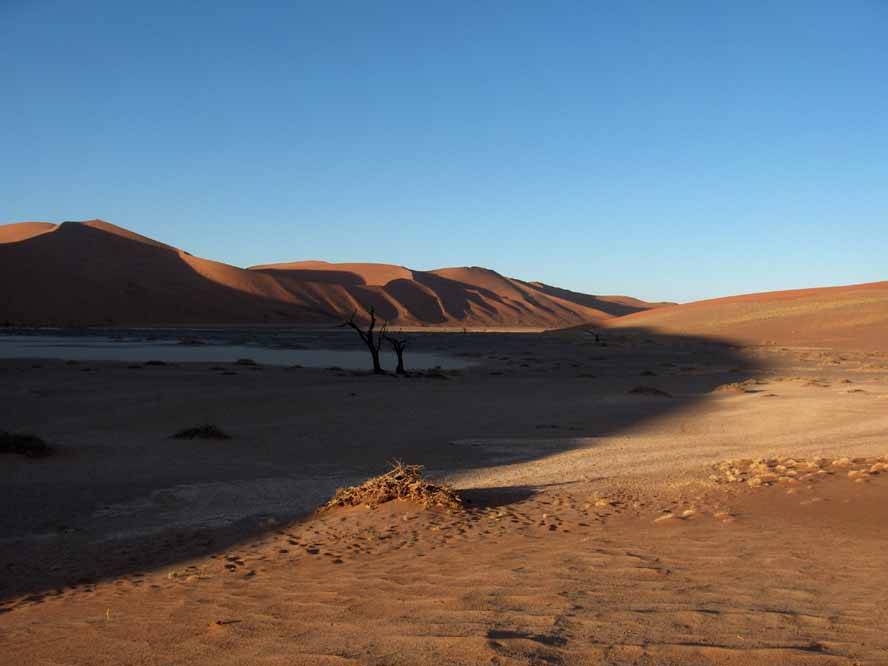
(402,482)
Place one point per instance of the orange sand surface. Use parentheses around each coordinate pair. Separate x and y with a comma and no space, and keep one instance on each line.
(850,317)
(646,499)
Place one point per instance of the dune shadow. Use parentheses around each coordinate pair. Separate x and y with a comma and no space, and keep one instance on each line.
(131,280)
(344,278)
(614,307)
(532,396)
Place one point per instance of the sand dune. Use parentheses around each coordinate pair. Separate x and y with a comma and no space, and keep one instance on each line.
(13,233)
(848,317)
(96,273)
(93,273)
(613,305)
(449,296)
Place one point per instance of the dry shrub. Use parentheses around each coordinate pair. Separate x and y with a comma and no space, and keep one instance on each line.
(402,482)
(649,390)
(205,431)
(24,444)
(733,387)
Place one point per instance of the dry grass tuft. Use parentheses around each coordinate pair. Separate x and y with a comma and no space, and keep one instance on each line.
(402,482)
(205,431)
(649,390)
(733,387)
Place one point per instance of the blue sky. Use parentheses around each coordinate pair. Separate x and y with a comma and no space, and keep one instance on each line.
(667,150)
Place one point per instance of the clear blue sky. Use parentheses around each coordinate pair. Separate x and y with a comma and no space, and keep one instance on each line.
(668,150)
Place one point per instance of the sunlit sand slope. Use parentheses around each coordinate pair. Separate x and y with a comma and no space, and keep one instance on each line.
(851,317)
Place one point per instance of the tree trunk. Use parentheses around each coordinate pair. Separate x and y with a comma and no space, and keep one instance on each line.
(371,339)
(374,352)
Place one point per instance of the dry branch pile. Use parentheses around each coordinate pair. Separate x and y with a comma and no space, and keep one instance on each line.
(402,482)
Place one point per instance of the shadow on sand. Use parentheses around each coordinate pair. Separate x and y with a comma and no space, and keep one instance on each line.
(536,394)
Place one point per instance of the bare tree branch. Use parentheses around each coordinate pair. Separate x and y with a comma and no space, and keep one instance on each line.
(398,343)
(372,340)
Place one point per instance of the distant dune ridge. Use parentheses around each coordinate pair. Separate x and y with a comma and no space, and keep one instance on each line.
(95,273)
(850,317)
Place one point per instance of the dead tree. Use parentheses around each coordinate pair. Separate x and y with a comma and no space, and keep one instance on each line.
(372,338)
(398,344)
(596,334)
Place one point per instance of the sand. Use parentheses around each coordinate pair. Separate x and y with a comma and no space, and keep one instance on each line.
(848,317)
(13,233)
(600,528)
(691,484)
(95,273)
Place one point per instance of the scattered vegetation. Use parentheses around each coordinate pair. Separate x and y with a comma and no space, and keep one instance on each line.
(205,431)
(791,471)
(402,482)
(733,387)
(24,444)
(434,373)
(649,390)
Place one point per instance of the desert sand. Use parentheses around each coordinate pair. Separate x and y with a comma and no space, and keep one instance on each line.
(95,273)
(645,499)
(851,317)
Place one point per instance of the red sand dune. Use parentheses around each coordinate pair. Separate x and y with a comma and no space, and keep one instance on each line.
(851,317)
(12,233)
(448,296)
(95,273)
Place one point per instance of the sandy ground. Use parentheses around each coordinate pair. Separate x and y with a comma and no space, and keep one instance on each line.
(594,533)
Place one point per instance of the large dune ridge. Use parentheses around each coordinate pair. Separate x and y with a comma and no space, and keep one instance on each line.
(849,317)
(447,295)
(96,273)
